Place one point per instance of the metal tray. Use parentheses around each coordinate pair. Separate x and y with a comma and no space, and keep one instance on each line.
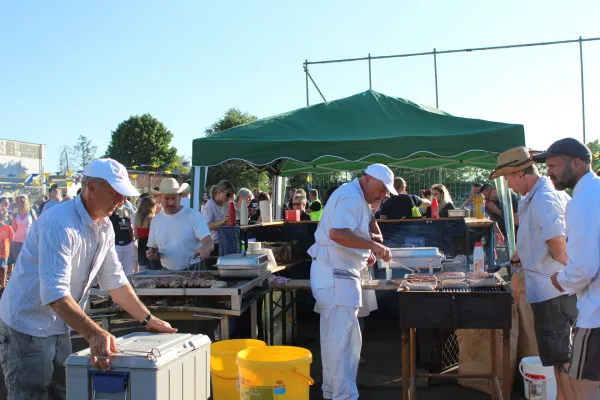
(238,272)
(238,267)
(249,260)
(458,213)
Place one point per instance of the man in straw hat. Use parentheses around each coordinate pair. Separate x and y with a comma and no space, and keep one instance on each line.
(346,241)
(568,162)
(178,233)
(65,250)
(541,247)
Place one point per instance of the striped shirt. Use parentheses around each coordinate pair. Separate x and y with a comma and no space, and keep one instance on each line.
(62,254)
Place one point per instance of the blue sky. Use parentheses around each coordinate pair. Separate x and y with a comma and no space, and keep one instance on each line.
(79,67)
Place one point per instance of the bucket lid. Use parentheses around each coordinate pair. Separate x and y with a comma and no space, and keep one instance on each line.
(478,244)
(144,350)
(273,357)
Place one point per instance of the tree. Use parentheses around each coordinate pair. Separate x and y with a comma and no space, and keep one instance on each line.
(595,149)
(66,162)
(142,140)
(240,175)
(84,151)
(182,167)
(232,118)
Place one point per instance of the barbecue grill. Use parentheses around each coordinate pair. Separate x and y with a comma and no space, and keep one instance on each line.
(472,308)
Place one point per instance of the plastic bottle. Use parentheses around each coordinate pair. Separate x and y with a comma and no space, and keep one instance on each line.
(434,208)
(243,249)
(244,214)
(479,206)
(231,212)
(478,258)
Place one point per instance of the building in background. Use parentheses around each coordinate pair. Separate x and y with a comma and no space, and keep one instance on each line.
(19,161)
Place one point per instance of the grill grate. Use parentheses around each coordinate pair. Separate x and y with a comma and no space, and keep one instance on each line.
(499,289)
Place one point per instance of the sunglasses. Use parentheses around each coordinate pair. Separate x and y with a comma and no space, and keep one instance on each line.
(227,194)
(297,204)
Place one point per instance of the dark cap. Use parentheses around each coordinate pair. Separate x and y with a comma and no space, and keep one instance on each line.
(565,147)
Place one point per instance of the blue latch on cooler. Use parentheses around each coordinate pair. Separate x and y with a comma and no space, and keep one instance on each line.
(109,382)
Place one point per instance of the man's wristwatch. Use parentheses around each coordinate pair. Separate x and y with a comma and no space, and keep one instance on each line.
(146,320)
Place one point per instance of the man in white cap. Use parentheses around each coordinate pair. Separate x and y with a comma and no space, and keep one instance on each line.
(179,233)
(344,246)
(68,246)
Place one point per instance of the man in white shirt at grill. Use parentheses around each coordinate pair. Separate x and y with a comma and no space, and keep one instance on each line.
(541,250)
(568,162)
(178,234)
(343,247)
(66,249)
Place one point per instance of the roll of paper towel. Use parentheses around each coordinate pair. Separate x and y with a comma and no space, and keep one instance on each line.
(244,213)
(265,211)
(253,247)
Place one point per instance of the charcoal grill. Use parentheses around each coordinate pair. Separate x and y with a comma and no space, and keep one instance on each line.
(473,308)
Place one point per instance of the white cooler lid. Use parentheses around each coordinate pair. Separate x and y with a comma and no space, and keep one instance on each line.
(143,350)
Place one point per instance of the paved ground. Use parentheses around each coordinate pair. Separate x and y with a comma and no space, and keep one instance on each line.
(379,379)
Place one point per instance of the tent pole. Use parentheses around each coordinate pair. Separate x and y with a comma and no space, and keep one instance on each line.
(306,76)
(370,86)
(582,86)
(437,104)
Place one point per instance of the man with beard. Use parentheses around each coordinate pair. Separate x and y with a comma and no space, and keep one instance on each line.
(345,244)
(568,162)
(178,233)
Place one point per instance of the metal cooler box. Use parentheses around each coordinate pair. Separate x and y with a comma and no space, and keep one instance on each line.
(147,367)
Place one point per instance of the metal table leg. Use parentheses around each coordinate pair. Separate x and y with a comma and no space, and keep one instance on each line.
(284,318)
(405,364)
(224,325)
(271,319)
(254,320)
(493,366)
(506,364)
(413,364)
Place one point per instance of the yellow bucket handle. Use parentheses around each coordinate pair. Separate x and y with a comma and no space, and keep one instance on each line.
(222,376)
(310,380)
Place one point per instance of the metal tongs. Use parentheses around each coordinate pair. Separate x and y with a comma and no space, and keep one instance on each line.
(393,262)
(530,270)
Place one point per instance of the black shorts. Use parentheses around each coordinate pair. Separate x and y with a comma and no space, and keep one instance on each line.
(585,363)
(554,320)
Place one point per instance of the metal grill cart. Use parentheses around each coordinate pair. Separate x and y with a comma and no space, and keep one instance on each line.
(473,308)
(230,298)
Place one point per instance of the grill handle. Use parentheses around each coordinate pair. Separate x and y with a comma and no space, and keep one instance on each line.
(219,317)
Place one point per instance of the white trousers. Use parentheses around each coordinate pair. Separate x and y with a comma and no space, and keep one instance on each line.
(126,256)
(341,343)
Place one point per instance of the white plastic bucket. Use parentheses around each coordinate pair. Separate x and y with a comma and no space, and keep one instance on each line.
(533,366)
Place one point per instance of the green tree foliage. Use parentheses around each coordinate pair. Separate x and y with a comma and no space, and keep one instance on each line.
(84,152)
(239,174)
(142,140)
(595,148)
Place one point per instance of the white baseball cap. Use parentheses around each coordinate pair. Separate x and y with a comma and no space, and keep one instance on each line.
(112,172)
(384,174)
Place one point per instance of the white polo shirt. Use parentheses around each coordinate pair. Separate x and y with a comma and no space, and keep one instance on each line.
(334,266)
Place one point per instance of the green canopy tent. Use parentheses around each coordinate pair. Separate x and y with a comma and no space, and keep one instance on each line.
(350,133)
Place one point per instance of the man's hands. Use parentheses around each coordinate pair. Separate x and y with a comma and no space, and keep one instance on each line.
(381,251)
(203,253)
(371,260)
(159,326)
(102,346)
(152,254)
(555,282)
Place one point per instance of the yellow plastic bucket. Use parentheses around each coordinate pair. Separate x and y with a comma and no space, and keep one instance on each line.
(223,369)
(275,372)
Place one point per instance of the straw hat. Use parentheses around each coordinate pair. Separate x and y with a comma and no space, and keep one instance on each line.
(170,186)
(513,160)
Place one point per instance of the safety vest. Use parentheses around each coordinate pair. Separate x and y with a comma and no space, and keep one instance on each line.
(316,215)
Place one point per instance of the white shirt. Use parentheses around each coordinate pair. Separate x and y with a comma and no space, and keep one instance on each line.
(581,276)
(334,265)
(541,218)
(177,237)
(62,254)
